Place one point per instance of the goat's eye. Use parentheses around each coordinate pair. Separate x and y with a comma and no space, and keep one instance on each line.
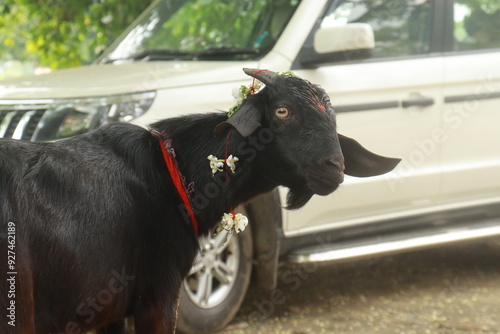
(282,112)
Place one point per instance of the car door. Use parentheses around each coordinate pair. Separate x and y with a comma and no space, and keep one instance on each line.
(391,103)
(471,119)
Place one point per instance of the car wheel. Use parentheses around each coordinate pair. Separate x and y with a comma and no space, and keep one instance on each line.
(216,285)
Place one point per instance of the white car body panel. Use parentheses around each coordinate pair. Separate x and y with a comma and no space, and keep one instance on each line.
(471,151)
(433,141)
(400,132)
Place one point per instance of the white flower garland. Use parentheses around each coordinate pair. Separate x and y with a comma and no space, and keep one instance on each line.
(229,221)
(236,221)
(242,93)
(232,222)
(216,164)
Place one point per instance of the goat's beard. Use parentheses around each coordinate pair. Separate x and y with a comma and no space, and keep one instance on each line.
(297,198)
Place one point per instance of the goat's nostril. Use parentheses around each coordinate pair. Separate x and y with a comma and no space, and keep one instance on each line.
(335,163)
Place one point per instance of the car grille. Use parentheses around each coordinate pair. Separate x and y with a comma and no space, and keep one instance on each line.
(20,124)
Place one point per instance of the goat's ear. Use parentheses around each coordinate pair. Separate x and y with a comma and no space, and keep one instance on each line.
(360,162)
(245,120)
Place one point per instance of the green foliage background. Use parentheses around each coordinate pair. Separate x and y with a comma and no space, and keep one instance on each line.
(69,33)
(62,33)
(208,23)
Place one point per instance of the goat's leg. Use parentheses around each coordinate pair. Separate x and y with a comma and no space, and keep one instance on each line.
(157,317)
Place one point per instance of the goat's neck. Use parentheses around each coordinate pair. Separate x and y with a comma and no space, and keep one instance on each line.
(193,140)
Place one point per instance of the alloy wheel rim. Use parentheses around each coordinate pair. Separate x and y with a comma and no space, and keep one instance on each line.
(214,270)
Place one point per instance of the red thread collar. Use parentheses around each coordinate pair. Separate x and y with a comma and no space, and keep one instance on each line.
(173,169)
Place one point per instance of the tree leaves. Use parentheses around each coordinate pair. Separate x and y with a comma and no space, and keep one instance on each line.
(62,34)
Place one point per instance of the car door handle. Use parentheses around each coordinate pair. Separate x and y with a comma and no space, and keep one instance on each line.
(418,102)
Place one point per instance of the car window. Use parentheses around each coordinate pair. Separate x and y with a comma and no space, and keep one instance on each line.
(203,30)
(476,24)
(401,28)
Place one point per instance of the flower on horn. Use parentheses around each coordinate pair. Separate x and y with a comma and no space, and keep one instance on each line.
(241,93)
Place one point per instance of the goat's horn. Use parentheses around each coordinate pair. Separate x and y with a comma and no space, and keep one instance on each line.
(266,76)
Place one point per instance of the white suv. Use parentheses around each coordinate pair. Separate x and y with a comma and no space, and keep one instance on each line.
(415,79)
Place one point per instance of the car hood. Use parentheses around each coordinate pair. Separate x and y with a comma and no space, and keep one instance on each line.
(109,79)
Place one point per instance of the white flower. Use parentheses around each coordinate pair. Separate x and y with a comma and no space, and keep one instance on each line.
(240,222)
(215,164)
(238,95)
(230,221)
(230,162)
(257,85)
(242,93)
(227,222)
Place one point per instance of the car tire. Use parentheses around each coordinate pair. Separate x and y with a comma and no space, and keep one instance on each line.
(217,283)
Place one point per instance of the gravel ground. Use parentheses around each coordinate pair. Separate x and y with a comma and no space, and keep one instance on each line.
(453,289)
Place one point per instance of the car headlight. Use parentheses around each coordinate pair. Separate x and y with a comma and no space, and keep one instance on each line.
(67,118)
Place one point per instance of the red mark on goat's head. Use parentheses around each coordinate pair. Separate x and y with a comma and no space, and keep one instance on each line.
(318,104)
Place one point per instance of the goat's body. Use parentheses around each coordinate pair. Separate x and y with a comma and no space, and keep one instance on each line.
(99,231)
(95,230)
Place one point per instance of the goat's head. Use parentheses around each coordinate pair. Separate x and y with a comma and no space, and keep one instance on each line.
(311,158)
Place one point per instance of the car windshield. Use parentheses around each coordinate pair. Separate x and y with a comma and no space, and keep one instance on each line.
(203,30)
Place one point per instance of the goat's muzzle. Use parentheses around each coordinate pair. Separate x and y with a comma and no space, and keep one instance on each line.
(324,176)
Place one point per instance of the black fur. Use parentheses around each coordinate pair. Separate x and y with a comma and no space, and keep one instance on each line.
(101,233)
(88,211)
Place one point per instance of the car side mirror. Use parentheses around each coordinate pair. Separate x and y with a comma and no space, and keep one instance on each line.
(354,41)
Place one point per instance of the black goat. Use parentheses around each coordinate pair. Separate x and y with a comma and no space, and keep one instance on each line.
(99,231)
